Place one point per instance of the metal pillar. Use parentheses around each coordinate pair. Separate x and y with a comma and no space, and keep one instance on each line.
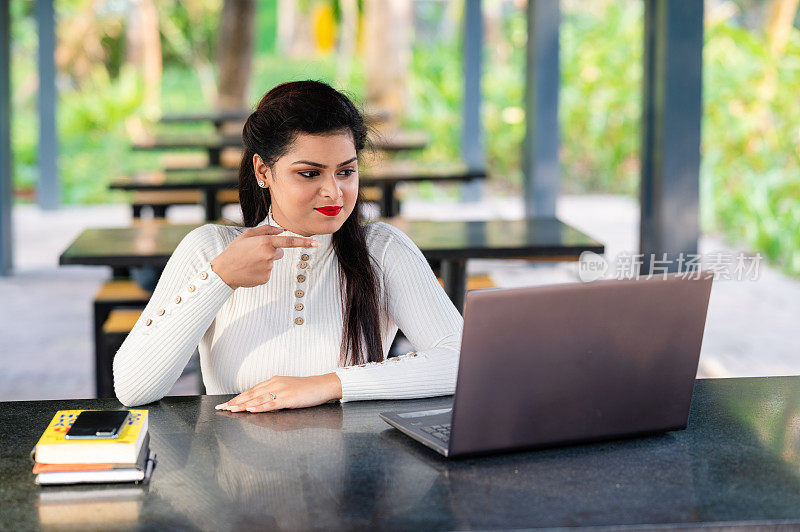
(6,199)
(49,190)
(472,131)
(542,80)
(671,113)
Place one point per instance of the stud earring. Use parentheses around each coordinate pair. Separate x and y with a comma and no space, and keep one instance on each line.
(261,184)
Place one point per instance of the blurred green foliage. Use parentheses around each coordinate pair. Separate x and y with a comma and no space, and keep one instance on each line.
(750,175)
(92,137)
(600,106)
(267,17)
(601,71)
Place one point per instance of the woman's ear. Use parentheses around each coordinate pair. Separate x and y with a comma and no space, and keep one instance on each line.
(262,171)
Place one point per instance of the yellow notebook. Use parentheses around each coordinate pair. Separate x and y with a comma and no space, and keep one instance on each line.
(53,448)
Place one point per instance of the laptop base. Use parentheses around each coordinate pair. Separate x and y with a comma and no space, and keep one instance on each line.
(414,423)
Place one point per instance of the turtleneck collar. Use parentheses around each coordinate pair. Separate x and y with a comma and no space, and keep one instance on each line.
(322,238)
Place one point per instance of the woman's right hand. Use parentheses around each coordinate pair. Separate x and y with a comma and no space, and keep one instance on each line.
(247,261)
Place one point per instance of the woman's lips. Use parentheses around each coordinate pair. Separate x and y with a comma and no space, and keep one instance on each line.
(329,211)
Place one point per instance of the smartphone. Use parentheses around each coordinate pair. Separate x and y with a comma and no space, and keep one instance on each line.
(97,424)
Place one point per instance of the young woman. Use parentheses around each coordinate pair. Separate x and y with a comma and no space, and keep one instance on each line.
(301,305)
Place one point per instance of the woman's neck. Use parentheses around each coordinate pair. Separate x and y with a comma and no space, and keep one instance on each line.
(279,220)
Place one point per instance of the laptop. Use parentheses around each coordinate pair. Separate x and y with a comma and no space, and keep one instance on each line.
(570,363)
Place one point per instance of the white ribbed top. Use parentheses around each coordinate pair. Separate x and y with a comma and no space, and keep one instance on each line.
(247,335)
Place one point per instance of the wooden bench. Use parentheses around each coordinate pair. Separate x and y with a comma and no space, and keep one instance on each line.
(121,321)
(374,194)
(114,294)
(183,160)
(115,329)
(226,197)
(159,200)
(478,282)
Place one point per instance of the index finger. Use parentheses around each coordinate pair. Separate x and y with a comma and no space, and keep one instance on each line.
(287,241)
(263,230)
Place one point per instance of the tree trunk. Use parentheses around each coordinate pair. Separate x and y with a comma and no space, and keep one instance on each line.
(235,53)
(143,49)
(779,24)
(388,54)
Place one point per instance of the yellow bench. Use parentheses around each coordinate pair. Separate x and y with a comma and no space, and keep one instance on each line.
(117,294)
(121,320)
(115,329)
(475,282)
(121,290)
(159,200)
(227,196)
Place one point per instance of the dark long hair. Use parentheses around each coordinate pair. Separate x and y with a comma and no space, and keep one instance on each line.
(314,107)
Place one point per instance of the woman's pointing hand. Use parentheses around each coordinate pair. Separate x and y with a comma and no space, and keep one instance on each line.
(248,260)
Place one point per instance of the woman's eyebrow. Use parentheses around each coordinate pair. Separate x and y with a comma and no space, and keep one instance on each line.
(318,165)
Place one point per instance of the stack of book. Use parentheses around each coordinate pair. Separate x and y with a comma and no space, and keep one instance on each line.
(127,458)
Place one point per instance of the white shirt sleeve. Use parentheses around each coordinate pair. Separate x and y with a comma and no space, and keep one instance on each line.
(184,303)
(421,309)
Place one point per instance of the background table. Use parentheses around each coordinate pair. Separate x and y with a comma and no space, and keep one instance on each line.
(208,180)
(211,180)
(339,467)
(449,244)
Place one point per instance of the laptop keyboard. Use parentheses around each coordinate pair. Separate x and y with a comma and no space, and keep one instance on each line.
(441,432)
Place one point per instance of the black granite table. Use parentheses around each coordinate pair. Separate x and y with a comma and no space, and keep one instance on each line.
(208,180)
(389,174)
(448,244)
(211,180)
(339,467)
(213,144)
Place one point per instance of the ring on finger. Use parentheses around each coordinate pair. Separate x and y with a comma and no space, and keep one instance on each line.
(273,396)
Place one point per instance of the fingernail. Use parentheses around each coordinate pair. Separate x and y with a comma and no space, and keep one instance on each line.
(219,406)
(315,244)
(250,408)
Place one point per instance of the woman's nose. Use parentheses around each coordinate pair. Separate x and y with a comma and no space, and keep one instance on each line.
(331,187)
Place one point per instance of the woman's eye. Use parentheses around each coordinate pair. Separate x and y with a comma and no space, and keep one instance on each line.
(315,173)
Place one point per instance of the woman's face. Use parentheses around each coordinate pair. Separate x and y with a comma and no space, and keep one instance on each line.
(318,171)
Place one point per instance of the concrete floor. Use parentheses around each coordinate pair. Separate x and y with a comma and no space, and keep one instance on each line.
(45,310)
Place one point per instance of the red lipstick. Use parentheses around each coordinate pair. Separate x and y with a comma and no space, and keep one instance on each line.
(329,211)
